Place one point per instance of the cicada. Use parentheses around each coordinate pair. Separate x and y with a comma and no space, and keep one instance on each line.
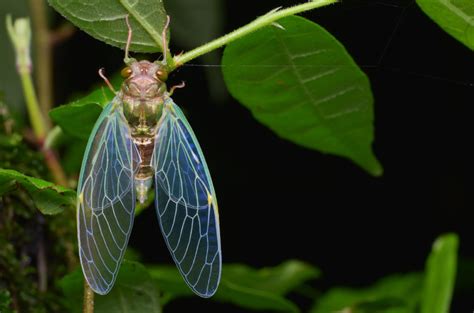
(142,139)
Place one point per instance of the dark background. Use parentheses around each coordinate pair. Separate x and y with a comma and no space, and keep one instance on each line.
(279,201)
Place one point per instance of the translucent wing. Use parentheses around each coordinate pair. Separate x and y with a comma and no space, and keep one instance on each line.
(186,202)
(106,198)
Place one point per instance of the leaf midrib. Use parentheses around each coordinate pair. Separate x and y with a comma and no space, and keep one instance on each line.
(148,28)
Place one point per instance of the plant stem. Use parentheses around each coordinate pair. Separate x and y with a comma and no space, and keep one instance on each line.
(54,166)
(20,35)
(43,50)
(39,127)
(88,306)
(36,117)
(260,22)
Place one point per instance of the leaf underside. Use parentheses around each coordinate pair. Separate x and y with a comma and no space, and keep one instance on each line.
(48,198)
(299,81)
(105,21)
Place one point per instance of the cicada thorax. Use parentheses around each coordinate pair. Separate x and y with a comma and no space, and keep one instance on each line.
(143,95)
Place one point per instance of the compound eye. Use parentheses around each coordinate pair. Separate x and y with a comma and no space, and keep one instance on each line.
(126,72)
(162,75)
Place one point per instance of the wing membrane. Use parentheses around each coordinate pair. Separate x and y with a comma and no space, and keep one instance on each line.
(106,198)
(186,202)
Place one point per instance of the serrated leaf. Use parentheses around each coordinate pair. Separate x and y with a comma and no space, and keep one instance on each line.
(393,294)
(105,20)
(440,275)
(456,17)
(78,118)
(48,197)
(298,80)
(259,289)
(133,292)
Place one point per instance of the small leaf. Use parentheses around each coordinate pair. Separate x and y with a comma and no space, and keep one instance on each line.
(299,81)
(48,197)
(393,294)
(440,275)
(133,292)
(255,299)
(244,286)
(456,17)
(78,118)
(105,20)
(279,280)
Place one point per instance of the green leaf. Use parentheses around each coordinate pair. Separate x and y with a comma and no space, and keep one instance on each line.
(133,292)
(244,286)
(280,279)
(78,118)
(440,275)
(105,20)
(48,197)
(255,299)
(72,155)
(393,294)
(298,80)
(456,17)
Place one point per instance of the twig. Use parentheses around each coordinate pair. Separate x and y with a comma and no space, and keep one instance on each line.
(88,306)
(54,166)
(43,50)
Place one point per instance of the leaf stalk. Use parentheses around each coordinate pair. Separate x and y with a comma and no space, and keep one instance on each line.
(260,22)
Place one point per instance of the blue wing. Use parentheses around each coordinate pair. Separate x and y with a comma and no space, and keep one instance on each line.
(106,198)
(186,202)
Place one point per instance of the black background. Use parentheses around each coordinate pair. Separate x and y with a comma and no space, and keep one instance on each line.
(279,201)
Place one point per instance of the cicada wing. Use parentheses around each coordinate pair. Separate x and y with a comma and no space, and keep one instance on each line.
(186,202)
(106,198)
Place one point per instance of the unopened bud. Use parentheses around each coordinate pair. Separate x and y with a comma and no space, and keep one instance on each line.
(20,35)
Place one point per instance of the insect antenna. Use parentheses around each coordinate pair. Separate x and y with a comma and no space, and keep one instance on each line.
(127,58)
(182,85)
(165,41)
(102,75)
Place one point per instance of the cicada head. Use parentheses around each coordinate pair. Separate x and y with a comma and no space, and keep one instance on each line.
(144,80)
(143,94)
